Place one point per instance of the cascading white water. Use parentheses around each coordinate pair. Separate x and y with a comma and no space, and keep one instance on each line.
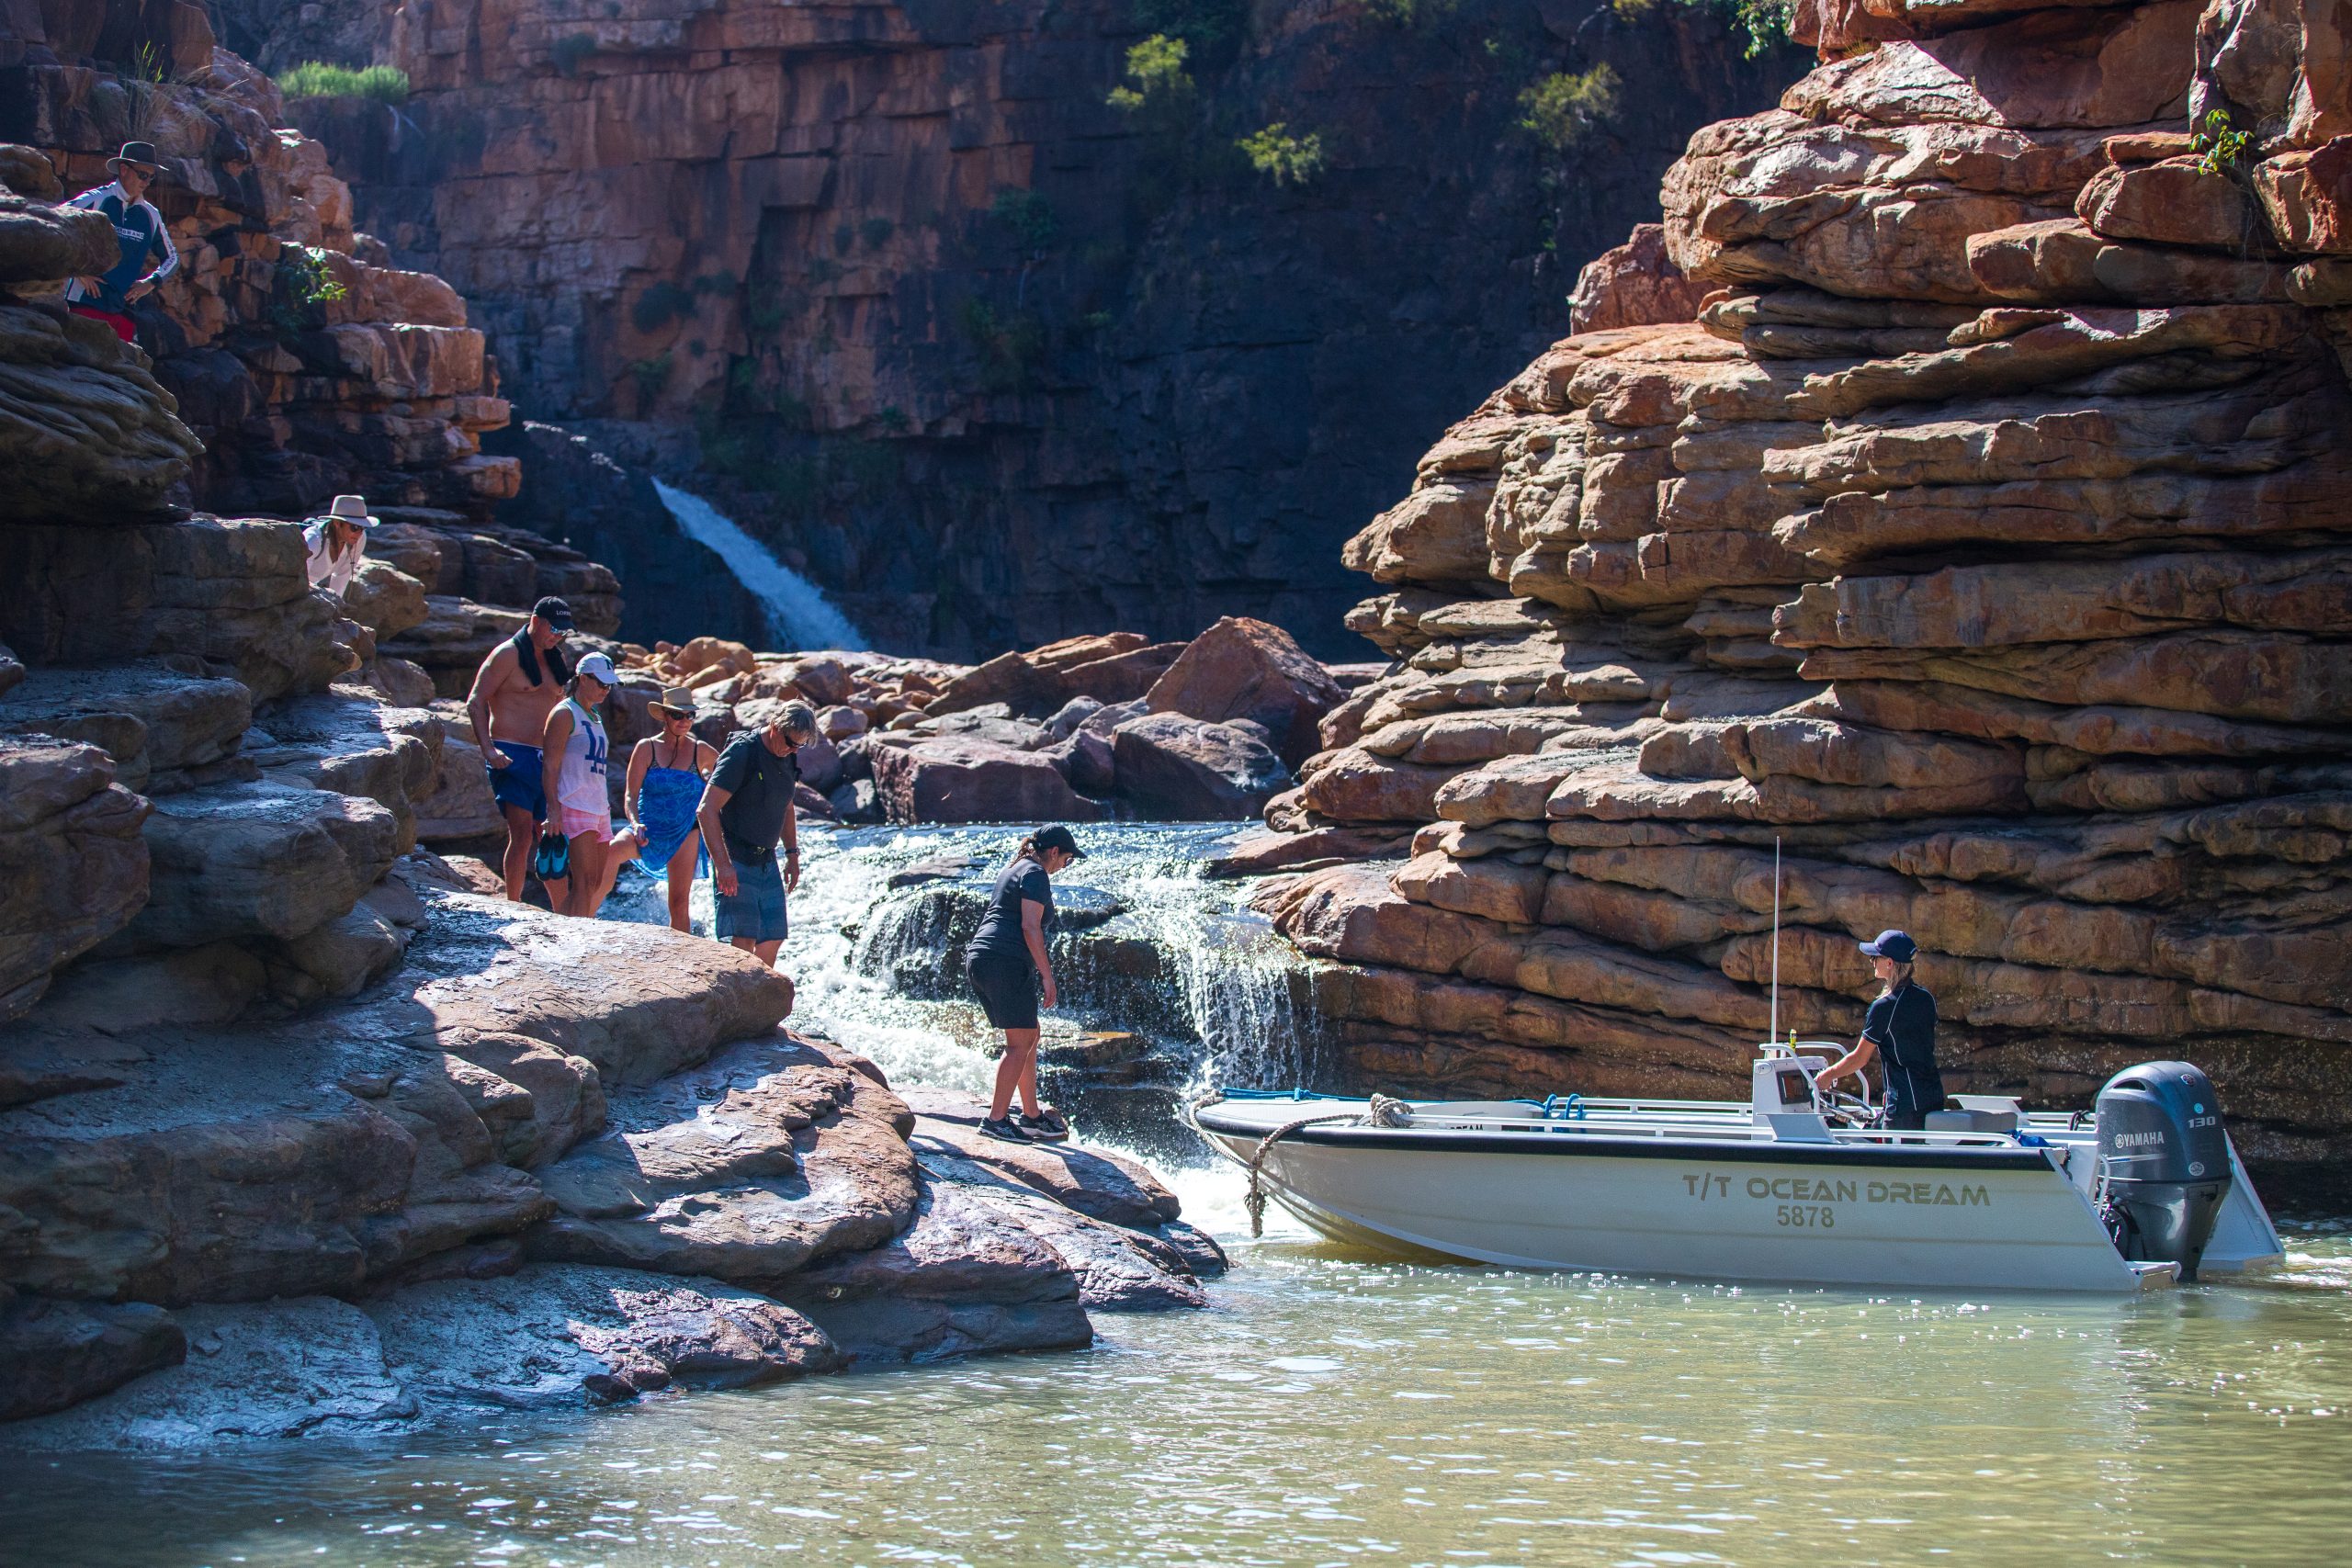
(1222,996)
(800,616)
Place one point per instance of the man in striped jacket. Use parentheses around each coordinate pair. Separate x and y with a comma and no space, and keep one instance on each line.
(107,295)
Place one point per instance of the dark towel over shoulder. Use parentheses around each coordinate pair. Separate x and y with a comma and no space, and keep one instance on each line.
(529,658)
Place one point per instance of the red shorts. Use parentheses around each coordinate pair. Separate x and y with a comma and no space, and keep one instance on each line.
(121,324)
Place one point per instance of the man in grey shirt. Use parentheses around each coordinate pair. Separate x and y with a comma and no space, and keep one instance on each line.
(747,813)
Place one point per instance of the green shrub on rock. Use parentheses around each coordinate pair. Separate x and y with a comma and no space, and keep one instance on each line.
(1287,160)
(1564,107)
(318,79)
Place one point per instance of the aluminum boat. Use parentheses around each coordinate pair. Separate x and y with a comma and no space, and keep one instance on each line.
(1792,1185)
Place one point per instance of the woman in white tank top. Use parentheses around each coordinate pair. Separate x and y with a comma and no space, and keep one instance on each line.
(579,799)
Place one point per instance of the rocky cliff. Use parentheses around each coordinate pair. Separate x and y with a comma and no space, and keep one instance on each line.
(990,359)
(1981,541)
(303,360)
(300,1131)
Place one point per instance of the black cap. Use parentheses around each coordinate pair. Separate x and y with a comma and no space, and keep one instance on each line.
(1057,838)
(554,611)
(1896,945)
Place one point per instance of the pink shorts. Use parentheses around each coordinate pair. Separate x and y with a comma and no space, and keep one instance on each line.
(571,821)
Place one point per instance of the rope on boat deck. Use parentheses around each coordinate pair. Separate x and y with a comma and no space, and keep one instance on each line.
(1382,1111)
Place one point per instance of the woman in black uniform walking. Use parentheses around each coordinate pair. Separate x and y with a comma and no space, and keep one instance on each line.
(1006,964)
(1900,1028)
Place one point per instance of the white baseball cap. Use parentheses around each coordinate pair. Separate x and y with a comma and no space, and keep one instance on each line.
(599,667)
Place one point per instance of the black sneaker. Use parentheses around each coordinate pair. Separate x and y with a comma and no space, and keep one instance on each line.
(1048,1128)
(1004,1129)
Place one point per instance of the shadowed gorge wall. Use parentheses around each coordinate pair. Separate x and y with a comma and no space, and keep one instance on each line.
(993,360)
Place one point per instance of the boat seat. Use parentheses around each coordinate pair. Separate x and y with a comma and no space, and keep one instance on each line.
(1971,1120)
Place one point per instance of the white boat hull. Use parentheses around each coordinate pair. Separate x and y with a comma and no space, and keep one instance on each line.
(1561,1197)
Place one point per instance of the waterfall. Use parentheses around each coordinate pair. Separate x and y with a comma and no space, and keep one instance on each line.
(798,614)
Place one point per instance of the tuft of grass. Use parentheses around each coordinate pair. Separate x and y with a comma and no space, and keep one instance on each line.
(1286,158)
(317,79)
(1564,107)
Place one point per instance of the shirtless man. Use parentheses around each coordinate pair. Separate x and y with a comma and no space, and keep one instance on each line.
(515,689)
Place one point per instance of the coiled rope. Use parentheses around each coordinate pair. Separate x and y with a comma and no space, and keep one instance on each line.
(1382,1111)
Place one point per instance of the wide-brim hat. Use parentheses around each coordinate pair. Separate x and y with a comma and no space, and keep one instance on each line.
(138,155)
(676,701)
(352,509)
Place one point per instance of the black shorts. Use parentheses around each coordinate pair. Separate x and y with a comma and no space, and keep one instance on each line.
(1007,987)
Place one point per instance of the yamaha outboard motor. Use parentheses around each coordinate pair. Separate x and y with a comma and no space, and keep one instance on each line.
(2164,1160)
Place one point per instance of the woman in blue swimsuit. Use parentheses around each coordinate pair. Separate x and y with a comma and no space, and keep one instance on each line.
(666,774)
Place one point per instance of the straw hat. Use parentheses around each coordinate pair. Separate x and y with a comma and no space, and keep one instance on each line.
(676,701)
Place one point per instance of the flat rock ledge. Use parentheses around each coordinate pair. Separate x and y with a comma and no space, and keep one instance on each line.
(544,1164)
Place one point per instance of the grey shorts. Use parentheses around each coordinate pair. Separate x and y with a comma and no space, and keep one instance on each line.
(755,912)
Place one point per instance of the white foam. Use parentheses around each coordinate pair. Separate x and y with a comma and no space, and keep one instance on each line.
(800,616)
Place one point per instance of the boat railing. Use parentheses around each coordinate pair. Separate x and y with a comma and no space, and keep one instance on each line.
(1718,1125)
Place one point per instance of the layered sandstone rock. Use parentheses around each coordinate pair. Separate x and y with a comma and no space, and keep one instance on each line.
(1978,541)
(987,358)
(304,363)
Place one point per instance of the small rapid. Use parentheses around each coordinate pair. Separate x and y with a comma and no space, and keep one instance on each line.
(1168,981)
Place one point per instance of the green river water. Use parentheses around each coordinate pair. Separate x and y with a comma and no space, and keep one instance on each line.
(1336,1407)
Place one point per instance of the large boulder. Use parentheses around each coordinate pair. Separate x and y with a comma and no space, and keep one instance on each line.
(231,592)
(1188,769)
(74,867)
(55,1354)
(1636,284)
(165,725)
(955,780)
(259,859)
(1244,669)
(1010,679)
(459,805)
(85,431)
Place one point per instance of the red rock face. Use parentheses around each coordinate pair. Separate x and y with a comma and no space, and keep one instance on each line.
(1001,363)
(1982,544)
(305,367)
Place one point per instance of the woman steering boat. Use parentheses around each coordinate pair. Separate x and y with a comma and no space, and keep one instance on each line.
(1901,1025)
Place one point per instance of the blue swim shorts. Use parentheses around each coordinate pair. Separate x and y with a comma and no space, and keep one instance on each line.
(519,783)
(755,913)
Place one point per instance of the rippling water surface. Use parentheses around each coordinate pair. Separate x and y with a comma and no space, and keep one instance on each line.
(1334,1407)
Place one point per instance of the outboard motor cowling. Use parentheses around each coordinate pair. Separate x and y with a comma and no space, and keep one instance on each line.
(2164,1161)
